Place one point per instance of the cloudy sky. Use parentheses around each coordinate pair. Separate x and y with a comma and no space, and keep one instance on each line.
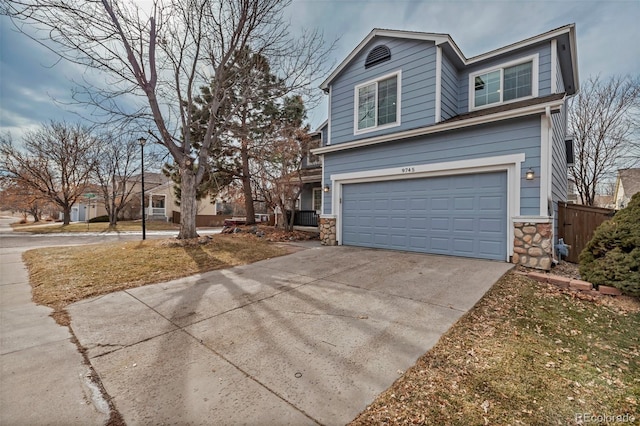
(34,87)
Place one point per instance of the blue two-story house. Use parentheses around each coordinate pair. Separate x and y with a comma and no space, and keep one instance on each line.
(426,150)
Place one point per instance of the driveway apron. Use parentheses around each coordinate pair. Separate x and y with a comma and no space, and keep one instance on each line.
(308,338)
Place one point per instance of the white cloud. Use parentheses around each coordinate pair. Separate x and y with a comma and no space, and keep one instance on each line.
(607,33)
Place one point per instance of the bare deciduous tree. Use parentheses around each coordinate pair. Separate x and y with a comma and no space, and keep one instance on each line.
(157,62)
(115,167)
(17,197)
(55,161)
(603,119)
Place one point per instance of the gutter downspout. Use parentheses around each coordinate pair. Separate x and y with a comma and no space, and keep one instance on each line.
(547,114)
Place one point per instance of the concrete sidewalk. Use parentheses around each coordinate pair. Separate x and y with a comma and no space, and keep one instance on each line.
(42,377)
(308,338)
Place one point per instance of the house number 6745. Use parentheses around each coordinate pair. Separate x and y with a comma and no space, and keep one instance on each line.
(408,169)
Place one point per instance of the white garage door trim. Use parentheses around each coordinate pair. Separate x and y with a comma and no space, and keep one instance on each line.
(509,163)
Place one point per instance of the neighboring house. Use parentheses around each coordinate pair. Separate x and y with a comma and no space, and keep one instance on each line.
(600,200)
(160,201)
(627,184)
(604,201)
(89,206)
(427,150)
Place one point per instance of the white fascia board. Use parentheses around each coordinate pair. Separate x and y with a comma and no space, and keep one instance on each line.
(522,44)
(442,127)
(554,66)
(532,219)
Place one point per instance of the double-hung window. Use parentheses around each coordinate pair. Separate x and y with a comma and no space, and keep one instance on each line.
(509,82)
(377,103)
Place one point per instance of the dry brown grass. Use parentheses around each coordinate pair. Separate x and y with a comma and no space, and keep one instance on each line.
(123,226)
(63,275)
(525,354)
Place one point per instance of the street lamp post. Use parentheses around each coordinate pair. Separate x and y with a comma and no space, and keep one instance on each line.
(142,141)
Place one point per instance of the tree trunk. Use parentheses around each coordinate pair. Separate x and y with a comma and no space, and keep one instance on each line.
(113,217)
(188,205)
(111,207)
(66,215)
(35,212)
(246,185)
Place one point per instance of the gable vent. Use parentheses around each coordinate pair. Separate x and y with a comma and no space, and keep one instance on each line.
(377,55)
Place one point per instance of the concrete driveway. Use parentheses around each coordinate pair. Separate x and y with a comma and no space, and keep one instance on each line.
(308,338)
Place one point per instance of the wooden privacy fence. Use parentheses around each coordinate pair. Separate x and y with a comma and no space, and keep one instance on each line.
(576,224)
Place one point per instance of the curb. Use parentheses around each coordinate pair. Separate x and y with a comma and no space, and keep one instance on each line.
(573,284)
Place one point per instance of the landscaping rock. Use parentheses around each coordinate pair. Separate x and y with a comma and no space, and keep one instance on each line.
(608,290)
(580,285)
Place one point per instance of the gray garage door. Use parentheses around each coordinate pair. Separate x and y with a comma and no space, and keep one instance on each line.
(463,215)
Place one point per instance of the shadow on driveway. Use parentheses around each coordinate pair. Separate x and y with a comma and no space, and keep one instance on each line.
(312,337)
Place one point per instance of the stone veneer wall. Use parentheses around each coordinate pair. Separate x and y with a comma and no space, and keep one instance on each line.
(328,231)
(532,246)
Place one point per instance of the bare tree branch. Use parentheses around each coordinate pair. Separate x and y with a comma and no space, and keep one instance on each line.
(151,65)
(603,119)
(56,161)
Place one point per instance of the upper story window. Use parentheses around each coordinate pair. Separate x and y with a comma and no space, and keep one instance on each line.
(377,103)
(509,82)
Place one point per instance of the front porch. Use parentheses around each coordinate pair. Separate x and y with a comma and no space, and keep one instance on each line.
(304,218)
(156,207)
(308,205)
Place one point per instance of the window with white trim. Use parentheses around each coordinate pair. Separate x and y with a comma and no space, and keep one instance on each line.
(317,199)
(509,82)
(377,103)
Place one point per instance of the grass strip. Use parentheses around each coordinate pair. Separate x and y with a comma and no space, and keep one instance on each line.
(48,228)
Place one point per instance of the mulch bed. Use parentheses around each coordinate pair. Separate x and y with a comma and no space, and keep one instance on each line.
(272,234)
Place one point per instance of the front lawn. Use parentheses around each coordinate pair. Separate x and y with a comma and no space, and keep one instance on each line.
(63,275)
(527,354)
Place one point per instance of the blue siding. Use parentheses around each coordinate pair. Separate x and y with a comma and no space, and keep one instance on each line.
(449,106)
(510,137)
(417,61)
(544,73)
